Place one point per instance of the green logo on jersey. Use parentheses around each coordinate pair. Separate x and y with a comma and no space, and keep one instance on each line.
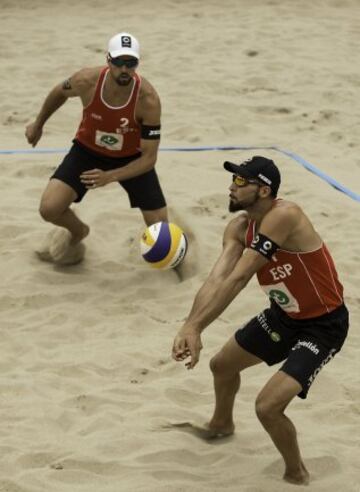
(275,337)
(279,297)
(109,140)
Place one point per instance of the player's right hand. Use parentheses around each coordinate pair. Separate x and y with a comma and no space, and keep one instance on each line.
(187,343)
(33,133)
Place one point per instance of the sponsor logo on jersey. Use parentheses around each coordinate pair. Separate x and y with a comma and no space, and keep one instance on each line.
(279,297)
(96,116)
(265,247)
(108,140)
(274,335)
(311,346)
(125,130)
(318,369)
(282,296)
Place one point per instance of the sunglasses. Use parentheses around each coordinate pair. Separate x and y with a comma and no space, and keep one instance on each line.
(241,182)
(120,62)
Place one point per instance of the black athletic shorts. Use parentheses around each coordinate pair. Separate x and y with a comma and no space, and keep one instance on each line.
(307,345)
(144,191)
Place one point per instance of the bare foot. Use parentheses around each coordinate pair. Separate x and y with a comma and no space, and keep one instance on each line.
(73,255)
(63,248)
(60,243)
(82,235)
(63,242)
(43,251)
(300,477)
(202,431)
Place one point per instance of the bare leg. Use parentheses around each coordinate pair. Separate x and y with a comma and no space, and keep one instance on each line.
(153,216)
(73,224)
(55,208)
(226,366)
(270,407)
(62,245)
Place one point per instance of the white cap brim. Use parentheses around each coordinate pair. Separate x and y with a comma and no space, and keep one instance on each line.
(123,52)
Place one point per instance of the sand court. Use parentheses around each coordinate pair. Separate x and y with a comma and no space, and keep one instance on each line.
(90,398)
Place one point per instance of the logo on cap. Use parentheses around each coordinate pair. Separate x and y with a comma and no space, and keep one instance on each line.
(265,179)
(126,41)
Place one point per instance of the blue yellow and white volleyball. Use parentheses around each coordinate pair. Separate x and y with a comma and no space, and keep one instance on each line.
(163,245)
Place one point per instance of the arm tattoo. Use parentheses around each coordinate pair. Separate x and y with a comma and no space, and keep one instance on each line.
(67,85)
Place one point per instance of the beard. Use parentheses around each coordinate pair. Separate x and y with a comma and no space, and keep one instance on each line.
(244,204)
(123,80)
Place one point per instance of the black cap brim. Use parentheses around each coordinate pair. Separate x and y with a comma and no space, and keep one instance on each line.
(236,169)
(230,166)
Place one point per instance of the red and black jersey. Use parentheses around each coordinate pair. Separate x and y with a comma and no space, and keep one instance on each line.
(108,130)
(303,284)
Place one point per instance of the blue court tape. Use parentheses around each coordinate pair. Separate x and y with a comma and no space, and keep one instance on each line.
(310,167)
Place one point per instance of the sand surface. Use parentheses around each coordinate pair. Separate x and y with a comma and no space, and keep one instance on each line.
(88,389)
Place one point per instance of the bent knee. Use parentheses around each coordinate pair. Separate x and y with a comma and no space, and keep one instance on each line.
(220,365)
(49,211)
(266,409)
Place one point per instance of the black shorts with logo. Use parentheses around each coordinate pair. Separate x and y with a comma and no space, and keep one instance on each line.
(144,191)
(307,345)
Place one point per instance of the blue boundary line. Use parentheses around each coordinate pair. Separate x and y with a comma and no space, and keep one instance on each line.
(310,167)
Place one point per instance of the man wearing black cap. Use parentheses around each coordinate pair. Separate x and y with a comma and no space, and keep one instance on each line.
(304,326)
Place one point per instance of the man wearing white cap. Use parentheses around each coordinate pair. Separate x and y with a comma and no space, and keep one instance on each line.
(117,140)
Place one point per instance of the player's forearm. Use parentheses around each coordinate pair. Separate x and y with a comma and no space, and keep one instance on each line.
(137,167)
(54,100)
(212,299)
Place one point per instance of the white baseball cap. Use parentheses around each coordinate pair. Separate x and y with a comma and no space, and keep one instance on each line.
(124,44)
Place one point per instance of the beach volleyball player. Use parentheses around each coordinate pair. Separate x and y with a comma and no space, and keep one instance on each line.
(117,140)
(304,326)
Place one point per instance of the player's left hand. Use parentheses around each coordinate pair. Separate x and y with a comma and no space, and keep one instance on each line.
(94,178)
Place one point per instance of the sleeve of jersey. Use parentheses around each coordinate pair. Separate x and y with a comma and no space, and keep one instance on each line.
(150,132)
(264,245)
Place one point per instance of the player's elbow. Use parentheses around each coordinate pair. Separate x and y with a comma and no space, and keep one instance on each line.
(149,161)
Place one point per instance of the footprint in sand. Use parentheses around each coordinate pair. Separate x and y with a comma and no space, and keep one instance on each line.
(92,467)
(35,460)
(211,204)
(189,458)
(173,475)
(89,404)
(183,397)
(94,48)
(11,486)
(14,118)
(200,431)
(271,110)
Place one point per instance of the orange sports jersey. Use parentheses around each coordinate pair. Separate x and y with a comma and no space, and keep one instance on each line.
(303,284)
(108,130)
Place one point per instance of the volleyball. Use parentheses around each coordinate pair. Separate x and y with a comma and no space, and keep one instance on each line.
(163,245)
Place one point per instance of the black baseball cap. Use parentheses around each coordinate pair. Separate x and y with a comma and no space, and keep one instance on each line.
(257,167)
